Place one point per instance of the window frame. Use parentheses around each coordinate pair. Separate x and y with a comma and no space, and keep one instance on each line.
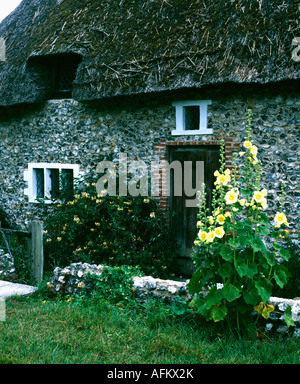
(30,177)
(180,117)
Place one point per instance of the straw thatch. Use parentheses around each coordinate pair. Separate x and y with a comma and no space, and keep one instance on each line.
(139,46)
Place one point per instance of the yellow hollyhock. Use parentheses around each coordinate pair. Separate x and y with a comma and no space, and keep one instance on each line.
(210,237)
(258,196)
(221,219)
(280,218)
(232,196)
(247,144)
(202,235)
(219,232)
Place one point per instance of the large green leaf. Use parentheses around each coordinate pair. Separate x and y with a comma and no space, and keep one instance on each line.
(263,230)
(285,254)
(264,289)
(226,252)
(219,312)
(287,317)
(225,270)
(251,295)
(246,240)
(213,297)
(195,283)
(230,291)
(258,245)
(241,267)
(280,277)
(270,257)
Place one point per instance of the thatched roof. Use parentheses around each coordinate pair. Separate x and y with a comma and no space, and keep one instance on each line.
(140,46)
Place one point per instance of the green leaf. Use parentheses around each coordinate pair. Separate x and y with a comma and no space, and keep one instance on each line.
(219,312)
(226,252)
(270,257)
(280,277)
(258,245)
(234,242)
(241,267)
(195,284)
(231,292)
(246,240)
(225,270)
(285,254)
(287,317)
(263,218)
(264,289)
(251,295)
(263,230)
(213,297)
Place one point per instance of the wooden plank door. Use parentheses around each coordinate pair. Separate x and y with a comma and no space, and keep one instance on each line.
(184,220)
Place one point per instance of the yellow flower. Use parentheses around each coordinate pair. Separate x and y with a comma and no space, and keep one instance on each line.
(216,173)
(146,201)
(59,239)
(81,284)
(92,229)
(210,237)
(242,202)
(242,153)
(217,212)
(231,196)
(280,218)
(199,224)
(223,179)
(253,150)
(228,214)
(210,220)
(152,215)
(196,242)
(264,204)
(221,219)
(258,196)
(247,144)
(48,241)
(97,224)
(219,232)
(76,219)
(202,235)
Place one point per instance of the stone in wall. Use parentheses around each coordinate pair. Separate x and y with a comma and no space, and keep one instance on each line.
(7,269)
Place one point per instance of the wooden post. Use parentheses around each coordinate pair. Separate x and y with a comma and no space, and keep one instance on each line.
(37,250)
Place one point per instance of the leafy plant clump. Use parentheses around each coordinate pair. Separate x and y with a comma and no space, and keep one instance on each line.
(238,248)
(110,230)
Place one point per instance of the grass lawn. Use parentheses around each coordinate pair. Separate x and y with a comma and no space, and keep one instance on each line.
(96,331)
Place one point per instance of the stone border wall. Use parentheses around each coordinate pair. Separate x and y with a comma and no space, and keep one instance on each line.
(70,280)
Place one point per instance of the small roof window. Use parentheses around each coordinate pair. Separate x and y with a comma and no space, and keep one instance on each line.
(55,73)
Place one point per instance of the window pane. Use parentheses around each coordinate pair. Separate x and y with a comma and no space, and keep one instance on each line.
(66,180)
(39,179)
(192,118)
(54,176)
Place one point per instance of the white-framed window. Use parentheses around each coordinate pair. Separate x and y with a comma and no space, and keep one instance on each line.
(191,117)
(50,181)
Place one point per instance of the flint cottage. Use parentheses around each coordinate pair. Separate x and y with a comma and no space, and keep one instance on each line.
(85,80)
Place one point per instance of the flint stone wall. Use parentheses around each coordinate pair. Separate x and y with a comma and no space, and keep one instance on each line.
(7,269)
(70,280)
(68,131)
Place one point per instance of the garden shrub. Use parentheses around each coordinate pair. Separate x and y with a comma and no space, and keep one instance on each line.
(114,284)
(238,249)
(110,230)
